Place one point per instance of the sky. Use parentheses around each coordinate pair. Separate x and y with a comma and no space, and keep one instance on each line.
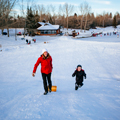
(97,6)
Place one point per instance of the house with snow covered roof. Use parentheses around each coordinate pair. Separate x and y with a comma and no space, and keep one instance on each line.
(48,29)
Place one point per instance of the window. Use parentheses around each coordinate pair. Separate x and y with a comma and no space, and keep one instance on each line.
(45,32)
(49,32)
(42,32)
(53,31)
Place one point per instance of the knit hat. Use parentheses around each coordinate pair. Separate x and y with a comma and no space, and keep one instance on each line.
(44,50)
(79,66)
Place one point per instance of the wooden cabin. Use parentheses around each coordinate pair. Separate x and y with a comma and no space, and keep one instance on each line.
(48,29)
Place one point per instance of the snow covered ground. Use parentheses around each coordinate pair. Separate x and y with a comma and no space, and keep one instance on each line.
(21,95)
(12,31)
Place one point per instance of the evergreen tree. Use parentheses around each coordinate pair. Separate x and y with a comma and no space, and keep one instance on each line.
(30,21)
(92,25)
(50,20)
(114,21)
(110,15)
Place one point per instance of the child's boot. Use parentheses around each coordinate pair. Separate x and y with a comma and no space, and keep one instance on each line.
(76,86)
(81,84)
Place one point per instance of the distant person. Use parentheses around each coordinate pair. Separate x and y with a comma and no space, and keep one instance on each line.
(46,69)
(79,73)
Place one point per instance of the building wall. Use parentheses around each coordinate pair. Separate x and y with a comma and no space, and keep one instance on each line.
(48,32)
(58,31)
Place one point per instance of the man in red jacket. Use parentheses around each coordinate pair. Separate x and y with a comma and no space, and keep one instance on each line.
(46,68)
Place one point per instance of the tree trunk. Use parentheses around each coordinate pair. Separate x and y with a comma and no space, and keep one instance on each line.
(2,31)
(67,22)
(8,31)
(81,23)
(85,24)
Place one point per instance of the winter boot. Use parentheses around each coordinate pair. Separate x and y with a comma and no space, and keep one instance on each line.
(81,84)
(45,93)
(49,90)
(76,86)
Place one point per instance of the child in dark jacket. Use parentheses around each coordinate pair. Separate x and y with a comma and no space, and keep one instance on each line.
(79,73)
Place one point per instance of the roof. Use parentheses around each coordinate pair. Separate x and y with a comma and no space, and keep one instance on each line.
(42,23)
(48,27)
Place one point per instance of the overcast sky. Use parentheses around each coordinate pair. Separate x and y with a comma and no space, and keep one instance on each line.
(97,6)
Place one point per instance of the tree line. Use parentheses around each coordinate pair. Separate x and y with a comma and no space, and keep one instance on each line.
(64,15)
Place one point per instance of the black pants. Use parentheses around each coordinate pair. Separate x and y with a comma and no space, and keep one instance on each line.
(78,84)
(48,76)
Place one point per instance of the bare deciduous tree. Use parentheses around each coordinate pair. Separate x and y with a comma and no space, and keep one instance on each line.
(87,9)
(5,9)
(53,9)
(61,14)
(41,9)
(68,10)
(81,8)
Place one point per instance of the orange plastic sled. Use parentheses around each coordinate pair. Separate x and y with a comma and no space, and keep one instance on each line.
(53,88)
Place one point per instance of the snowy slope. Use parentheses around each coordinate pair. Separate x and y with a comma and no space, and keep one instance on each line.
(21,95)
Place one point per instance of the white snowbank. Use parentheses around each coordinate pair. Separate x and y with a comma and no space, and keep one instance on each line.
(84,35)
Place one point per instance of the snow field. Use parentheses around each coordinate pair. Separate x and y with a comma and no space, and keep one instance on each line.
(21,95)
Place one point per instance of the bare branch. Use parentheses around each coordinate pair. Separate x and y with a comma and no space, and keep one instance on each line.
(68,9)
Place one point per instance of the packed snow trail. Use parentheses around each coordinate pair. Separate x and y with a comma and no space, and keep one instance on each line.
(21,95)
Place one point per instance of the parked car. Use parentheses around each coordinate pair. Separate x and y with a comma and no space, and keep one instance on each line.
(4,33)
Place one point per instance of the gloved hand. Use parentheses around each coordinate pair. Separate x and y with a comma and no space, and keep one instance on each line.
(72,75)
(33,74)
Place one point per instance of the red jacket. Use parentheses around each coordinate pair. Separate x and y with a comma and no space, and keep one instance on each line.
(46,64)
